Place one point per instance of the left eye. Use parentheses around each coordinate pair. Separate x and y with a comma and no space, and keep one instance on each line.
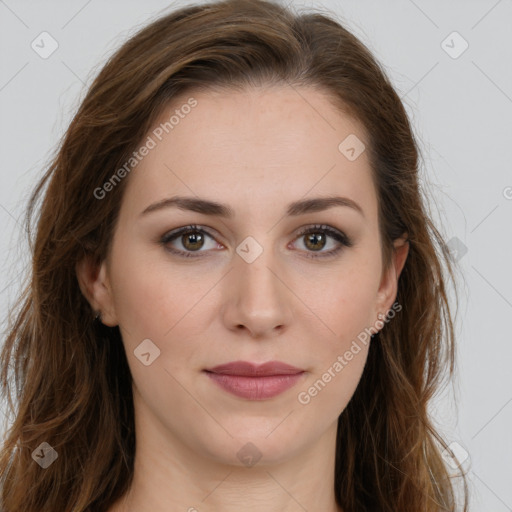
(193,237)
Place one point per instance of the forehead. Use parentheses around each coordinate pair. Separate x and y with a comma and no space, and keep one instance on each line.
(253,147)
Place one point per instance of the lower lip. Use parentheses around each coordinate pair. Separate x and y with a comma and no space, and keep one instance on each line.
(255,388)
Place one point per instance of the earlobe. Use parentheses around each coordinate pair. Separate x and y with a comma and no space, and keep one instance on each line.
(95,287)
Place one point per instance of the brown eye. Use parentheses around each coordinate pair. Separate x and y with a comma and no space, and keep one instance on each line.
(315,241)
(316,238)
(192,240)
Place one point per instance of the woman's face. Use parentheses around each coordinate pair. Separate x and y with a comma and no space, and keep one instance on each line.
(247,286)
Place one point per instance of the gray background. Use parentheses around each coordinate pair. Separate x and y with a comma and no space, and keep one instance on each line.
(461,108)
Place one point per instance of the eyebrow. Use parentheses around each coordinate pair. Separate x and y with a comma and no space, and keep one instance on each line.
(207,207)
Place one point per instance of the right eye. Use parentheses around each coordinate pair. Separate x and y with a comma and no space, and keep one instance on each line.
(192,240)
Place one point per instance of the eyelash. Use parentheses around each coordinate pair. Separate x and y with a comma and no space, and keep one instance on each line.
(340,237)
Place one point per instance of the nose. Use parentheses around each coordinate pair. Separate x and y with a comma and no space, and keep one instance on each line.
(257,298)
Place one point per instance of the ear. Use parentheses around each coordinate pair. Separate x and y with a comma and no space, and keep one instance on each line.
(95,286)
(388,287)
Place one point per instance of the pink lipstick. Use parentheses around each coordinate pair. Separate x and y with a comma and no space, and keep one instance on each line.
(255,382)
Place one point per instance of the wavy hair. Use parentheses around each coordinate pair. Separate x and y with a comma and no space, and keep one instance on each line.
(66,377)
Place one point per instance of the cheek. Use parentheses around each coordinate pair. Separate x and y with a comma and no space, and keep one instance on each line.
(139,311)
(346,302)
(346,306)
(167,304)
(152,302)
(147,299)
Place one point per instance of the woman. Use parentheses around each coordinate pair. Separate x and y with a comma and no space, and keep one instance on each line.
(238,300)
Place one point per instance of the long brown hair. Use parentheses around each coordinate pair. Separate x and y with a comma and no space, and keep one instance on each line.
(69,375)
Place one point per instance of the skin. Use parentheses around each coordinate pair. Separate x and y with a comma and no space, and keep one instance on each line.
(256,151)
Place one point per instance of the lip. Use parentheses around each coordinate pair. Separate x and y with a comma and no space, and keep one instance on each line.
(249,369)
(253,381)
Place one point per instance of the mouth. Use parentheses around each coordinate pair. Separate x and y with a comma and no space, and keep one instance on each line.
(255,382)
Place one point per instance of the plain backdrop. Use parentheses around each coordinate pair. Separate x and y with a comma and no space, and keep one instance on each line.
(450,63)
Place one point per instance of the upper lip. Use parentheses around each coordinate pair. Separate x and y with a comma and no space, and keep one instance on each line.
(255,370)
